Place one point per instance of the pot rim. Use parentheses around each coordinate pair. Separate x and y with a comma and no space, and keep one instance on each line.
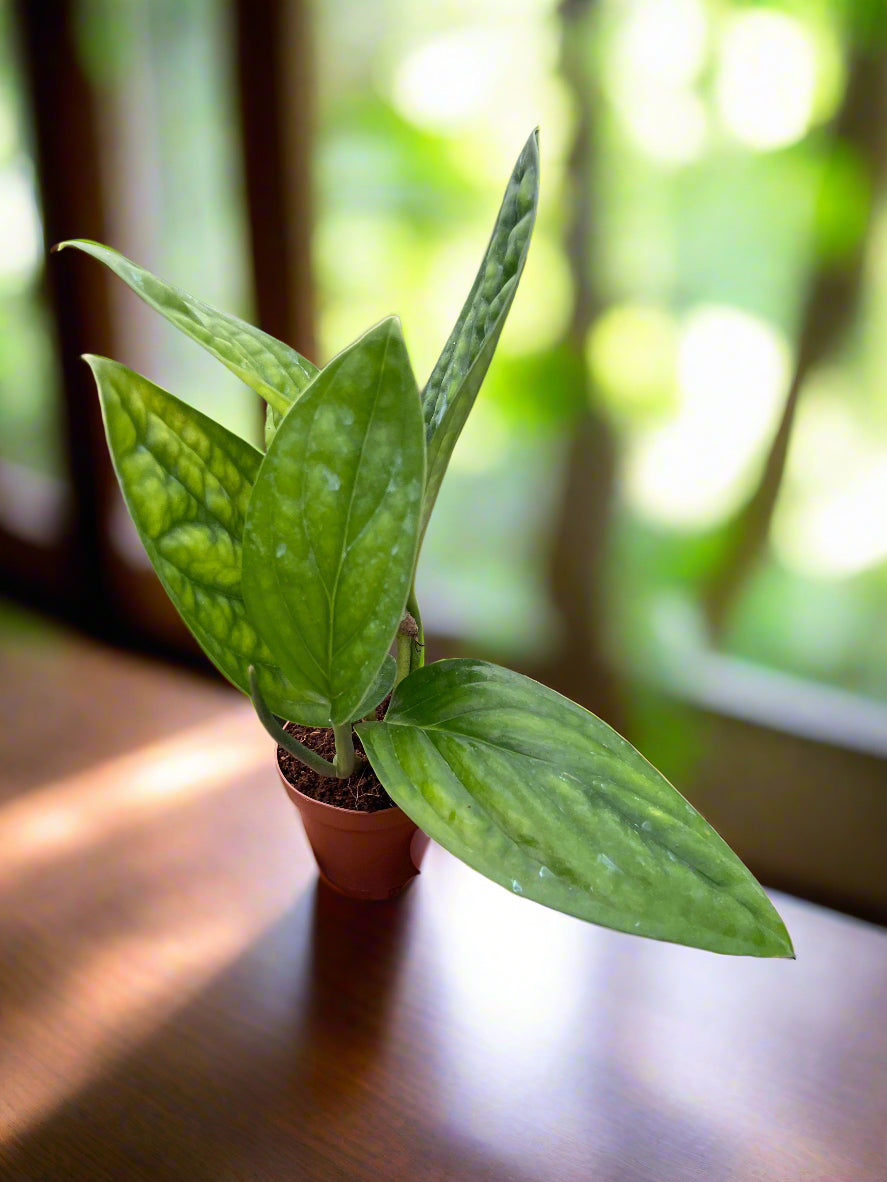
(341,818)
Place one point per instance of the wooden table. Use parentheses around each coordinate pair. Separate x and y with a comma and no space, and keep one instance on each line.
(180,1000)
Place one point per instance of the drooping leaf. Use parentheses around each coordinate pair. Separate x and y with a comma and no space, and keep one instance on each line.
(281,736)
(547,800)
(332,527)
(186,481)
(275,371)
(460,369)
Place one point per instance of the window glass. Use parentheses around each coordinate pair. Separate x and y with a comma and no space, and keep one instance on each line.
(29,402)
(163,70)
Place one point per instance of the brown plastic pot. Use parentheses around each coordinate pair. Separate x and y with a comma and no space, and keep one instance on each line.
(362,855)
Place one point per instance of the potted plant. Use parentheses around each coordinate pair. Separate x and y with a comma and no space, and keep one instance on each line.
(295,572)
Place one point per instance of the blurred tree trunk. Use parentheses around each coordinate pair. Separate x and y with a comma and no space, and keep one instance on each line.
(581,666)
(62,107)
(275,59)
(831,306)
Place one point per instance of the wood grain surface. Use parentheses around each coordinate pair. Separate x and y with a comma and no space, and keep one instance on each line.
(180,1000)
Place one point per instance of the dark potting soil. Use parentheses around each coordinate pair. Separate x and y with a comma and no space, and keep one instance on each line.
(361,792)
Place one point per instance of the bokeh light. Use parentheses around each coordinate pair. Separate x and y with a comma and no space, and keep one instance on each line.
(733,369)
(668,125)
(21,239)
(444,82)
(632,352)
(766,83)
(661,39)
(832,520)
(659,50)
(487,82)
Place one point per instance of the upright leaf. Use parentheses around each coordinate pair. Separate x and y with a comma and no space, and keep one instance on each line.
(272,422)
(186,481)
(271,368)
(457,376)
(547,800)
(379,690)
(332,527)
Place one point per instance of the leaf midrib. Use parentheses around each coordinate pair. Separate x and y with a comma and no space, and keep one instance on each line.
(277,576)
(344,547)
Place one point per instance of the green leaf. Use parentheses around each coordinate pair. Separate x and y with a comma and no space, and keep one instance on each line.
(457,376)
(268,366)
(272,422)
(379,690)
(332,527)
(281,736)
(547,800)
(186,481)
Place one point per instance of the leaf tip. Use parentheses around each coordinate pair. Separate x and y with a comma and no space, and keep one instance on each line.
(93,361)
(391,324)
(789,949)
(59,246)
(780,945)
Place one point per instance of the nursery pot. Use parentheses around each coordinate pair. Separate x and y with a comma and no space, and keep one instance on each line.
(362,855)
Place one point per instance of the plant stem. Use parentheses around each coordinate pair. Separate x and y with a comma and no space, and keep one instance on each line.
(404,657)
(417,649)
(282,738)
(345,753)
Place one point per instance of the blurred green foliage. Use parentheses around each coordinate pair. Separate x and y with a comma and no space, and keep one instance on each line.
(720,190)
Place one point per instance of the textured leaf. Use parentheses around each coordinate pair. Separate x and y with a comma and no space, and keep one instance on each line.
(186,481)
(547,800)
(457,376)
(271,368)
(332,527)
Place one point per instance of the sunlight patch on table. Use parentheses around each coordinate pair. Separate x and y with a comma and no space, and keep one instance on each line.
(83,809)
(506,996)
(111,1002)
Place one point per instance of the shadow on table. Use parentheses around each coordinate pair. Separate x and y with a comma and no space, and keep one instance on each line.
(355,1041)
(301,1060)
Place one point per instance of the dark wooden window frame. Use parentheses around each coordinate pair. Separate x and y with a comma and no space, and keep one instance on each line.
(78,575)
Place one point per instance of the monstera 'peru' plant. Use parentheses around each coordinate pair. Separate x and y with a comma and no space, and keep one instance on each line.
(295,572)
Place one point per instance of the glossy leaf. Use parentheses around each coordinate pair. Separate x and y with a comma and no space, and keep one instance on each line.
(186,481)
(547,800)
(275,371)
(379,690)
(457,376)
(332,527)
(272,422)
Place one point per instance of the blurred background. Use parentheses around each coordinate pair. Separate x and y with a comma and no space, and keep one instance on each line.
(671,499)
